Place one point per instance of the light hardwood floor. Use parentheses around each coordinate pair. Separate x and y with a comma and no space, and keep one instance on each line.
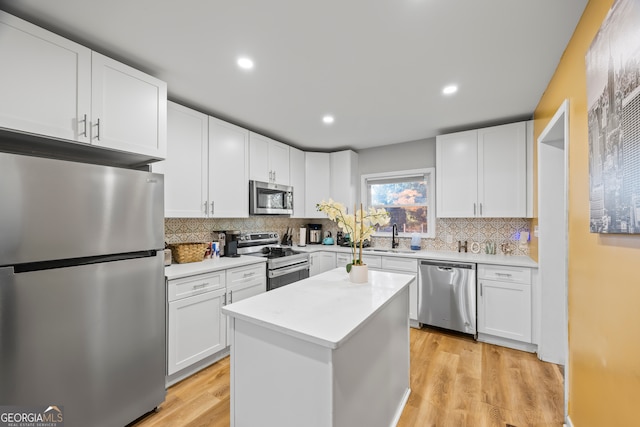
(455,382)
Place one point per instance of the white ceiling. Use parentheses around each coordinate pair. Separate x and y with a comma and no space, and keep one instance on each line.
(378,66)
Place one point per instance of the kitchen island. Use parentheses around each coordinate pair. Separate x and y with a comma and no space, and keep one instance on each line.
(322,352)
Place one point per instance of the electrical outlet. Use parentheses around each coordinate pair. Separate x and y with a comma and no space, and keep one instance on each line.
(536,231)
(449,238)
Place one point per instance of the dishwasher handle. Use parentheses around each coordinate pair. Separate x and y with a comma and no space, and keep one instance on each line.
(447,265)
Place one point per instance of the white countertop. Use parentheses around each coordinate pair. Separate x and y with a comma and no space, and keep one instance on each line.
(176,271)
(499,259)
(325,309)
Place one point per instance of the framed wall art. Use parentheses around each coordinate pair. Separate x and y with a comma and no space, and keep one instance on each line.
(613,102)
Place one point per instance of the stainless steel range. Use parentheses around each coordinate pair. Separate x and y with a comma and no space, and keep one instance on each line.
(284,265)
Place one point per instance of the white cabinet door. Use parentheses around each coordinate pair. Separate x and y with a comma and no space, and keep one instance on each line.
(504,309)
(319,262)
(269,160)
(240,279)
(344,178)
(259,158)
(297,181)
(128,108)
(457,175)
(45,82)
(197,329)
(317,182)
(245,282)
(279,162)
(409,266)
(482,173)
(342,259)
(228,170)
(502,171)
(185,169)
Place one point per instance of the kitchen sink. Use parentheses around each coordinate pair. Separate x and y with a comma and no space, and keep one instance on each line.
(390,251)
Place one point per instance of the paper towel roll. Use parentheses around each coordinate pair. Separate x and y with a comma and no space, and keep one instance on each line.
(303,237)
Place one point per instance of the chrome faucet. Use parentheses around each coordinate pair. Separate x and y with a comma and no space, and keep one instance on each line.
(394,233)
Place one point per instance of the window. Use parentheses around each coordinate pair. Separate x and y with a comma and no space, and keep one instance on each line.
(408,196)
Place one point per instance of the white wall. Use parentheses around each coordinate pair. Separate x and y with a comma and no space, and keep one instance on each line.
(407,155)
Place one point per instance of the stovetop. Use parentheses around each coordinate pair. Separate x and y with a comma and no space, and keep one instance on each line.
(276,251)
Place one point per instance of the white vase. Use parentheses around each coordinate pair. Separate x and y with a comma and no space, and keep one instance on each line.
(359,274)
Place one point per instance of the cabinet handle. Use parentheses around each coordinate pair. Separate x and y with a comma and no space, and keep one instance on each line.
(230,297)
(480,209)
(249,274)
(481,288)
(274,176)
(503,274)
(200,286)
(84,133)
(224,301)
(212,205)
(98,129)
(206,208)
(474,209)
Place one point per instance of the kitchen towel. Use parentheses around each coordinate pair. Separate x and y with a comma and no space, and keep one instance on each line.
(303,237)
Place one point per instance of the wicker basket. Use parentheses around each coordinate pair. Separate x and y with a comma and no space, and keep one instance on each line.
(188,252)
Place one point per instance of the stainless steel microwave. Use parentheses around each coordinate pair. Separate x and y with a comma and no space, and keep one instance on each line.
(270,199)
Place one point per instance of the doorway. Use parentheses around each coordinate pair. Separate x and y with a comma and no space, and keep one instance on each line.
(553,235)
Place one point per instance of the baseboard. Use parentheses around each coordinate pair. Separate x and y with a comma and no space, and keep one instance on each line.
(400,409)
(569,423)
(506,342)
(176,377)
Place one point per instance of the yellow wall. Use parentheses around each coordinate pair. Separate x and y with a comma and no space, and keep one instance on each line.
(604,270)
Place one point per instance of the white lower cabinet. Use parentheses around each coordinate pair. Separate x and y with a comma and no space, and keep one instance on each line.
(319,262)
(392,264)
(374,262)
(196,325)
(409,266)
(505,305)
(245,282)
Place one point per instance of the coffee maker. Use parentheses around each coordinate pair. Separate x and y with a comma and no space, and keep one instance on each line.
(231,243)
(315,234)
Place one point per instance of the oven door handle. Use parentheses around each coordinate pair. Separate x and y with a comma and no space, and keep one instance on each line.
(292,269)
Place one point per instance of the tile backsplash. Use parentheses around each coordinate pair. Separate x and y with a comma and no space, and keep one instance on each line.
(481,230)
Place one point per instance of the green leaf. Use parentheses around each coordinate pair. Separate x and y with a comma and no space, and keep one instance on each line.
(349,267)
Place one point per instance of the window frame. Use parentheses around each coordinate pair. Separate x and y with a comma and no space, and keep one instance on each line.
(430,176)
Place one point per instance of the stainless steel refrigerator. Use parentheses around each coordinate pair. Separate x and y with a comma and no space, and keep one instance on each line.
(82,294)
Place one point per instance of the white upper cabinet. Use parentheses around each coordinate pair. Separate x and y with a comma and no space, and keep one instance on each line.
(128,108)
(317,182)
(186,167)
(207,166)
(56,88)
(228,170)
(482,173)
(344,178)
(45,82)
(268,160)
(297,181)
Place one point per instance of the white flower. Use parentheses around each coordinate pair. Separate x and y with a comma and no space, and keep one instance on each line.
(360,226)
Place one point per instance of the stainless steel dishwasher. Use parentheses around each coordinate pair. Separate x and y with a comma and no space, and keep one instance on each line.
(447,295)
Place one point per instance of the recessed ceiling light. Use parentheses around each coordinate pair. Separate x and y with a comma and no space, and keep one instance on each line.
(449,90)
(245,63)
(328,119)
